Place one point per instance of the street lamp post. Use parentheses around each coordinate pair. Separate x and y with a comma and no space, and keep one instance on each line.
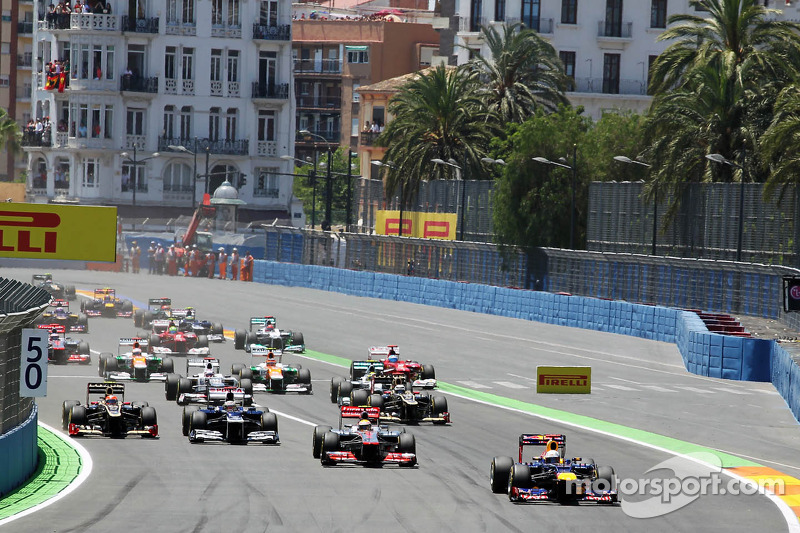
(181,148)
(720,159)
(459,177)
(348,221)
(629,161)
(312,175)
(390,165)
(574,169)
(135,162)
(328,185)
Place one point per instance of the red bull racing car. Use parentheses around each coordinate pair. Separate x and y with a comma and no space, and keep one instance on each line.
(105,303)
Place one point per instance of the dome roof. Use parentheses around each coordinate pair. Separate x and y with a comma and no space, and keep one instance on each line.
(226,194)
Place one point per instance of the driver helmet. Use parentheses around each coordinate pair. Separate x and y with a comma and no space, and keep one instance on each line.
(136,349)
(112,400)
(364,424)
(551,456)
(209,371)
(172,328)
(230,405)
(399,388)
(53,335)
(392,357)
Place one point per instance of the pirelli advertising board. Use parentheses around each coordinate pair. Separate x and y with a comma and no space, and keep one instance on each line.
(47,231)
(417,224)
(564,379)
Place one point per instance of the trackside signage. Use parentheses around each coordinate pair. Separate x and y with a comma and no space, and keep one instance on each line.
(564,379)
(47,231)
(417,224)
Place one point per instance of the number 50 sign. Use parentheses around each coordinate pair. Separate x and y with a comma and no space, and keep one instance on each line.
(33,361)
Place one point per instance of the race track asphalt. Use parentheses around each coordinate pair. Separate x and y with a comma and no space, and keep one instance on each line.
(171,485)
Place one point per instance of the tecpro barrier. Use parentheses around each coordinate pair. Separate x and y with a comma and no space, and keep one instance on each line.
(19,453)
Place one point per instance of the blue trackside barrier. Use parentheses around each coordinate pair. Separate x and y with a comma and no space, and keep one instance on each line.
(19,453)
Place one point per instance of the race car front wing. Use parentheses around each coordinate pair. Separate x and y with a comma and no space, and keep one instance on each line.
(346,457)
(202,435)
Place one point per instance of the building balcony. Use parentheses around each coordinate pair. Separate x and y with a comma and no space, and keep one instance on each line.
(270,91)
(227,32)
(282,32)
(471,24)
(235,147)
(318,66)
(614,30)
(319,102)
(25,60)
(36,139)
(609,86)
(137,141)
(25,28)
(266,193)
(84,22)
(267,149)
(139,85)
(188,29)
(330,136)
(139,25)
(368,138)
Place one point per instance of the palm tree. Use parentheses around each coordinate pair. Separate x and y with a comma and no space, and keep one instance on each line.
(780,144)
(10,133)
(522,73)
(439,114)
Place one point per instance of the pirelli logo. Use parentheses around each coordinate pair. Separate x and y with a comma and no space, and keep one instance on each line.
(564,379)
(46,231)
(417,224)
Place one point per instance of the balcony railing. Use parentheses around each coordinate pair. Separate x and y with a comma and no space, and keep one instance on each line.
(139,25)
(609,86)
(266,193)
(278,91)
(368,138)
(25,60)
(80,21)
(237,147)
(25,27)
(328,135)
(229,32)
(622,30)
(282,32)
(318,66)
(36,138)
(328,102)
(184,28)
(139,85)
(266,149)
(471,24)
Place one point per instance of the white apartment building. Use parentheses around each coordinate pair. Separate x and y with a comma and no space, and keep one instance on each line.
(607,46)
(158,90)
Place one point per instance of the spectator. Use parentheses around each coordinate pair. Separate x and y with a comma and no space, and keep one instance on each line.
(235,264)
(136,255)
(172,261)
(151,258)
(160,259)
(247,269)
(82,130)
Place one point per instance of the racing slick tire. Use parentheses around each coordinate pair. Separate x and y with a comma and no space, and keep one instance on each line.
(147,320)
(304,376)
(148,415)
(269,422)
(335,382)
(127,306)
(345,388)
(438,406)
(427,372)
(187,419)
(83,348)
(101,364)
(330,443)
(216,329)
(168,365)
(198,420)
(236,368)
(519,476)
(184,385)
(246,373)
(202,341)
(297,338)
(376,400)
(498,474)
(407,444)
(83,320)
(66,409)
(137,318)
(250,338)
(171,387)
(319,434)
(69,292)
(606,479)
(246,385)
(154,340)
(239,338)
(77,415)
(359,397)
(109,364)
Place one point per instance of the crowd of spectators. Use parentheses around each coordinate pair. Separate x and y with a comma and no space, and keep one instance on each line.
(375,127)
(37,132)
(56,75)
(57,16)
(326,16)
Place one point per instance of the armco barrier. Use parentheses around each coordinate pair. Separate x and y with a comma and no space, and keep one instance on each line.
(18,453)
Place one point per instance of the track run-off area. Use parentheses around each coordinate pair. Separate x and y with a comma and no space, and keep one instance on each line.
(645,409)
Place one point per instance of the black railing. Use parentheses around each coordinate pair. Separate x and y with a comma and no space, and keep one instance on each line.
(327,102)
(25,27)
(235,147)
(37,138)
(139,25)
(328,135)
(278,91)
(368,137)
(282,32)
(614,28)
(139,85)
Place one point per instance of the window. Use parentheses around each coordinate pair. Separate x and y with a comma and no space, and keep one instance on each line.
(4,80)
(133,176)
(231,117)
(169,62)
(62,173)
(613,25)
(266,125)
(500,10)
(187,63)
(186,122)
(569,11)
(187,11)
(213,124)
(216,64)
(110,62)
(568,59)
(529,15)
(611,73)
(233,65)
(233,13)
(134,123)
(96,126)
(356,96)
(658,14)
(178,177)
(354,127)
(357,56)
(266,184)
(169,121)
(109,125)
(91,177)
(216,13)
(268,14)
(475,15)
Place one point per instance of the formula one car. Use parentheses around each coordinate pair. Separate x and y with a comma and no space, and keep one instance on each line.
(231,422)
(56,290)
(107,413)
(421,376)
(157,309)
(207,387)
(364,443)
(62,350)
(361,373)
(550,476)
(59,313)
(264,332)
(105,303)
(272,375)
(186,320)
(166,339)
(399,402)
(135,364)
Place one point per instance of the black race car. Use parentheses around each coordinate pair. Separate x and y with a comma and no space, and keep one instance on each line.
(157,309)
(58,291)
(106,413)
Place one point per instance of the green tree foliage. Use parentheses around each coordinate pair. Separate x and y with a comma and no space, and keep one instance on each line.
(304,190)
(10,133)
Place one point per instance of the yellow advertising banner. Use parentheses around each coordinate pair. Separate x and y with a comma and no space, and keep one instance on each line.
(564,379)
(417,224)
(47,231)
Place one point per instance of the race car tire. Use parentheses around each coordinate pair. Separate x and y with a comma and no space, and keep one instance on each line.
(147,319)
(304,376)
(149,417)
(171,387)
(198,420)
(187,419)
(137,318)
(202,341)
(216,329)
(83,348)
(154,339)
(127,306)
(519,476)
(246,385)
(316,445)
(236,368)
(77,415)
(269,422)
(184,385)
(498,474)
(83,320)
(590,461)
(111,364)
(330,442)
(335,382)
(250,338)
(168,365)
(606,480)
(406,443)
(101,365)
(427,372)
(66,409)
(297,338)
(246,373)
(345,388)
(359,397)
(438,406)
(376,400)
(239,338)
(69,291)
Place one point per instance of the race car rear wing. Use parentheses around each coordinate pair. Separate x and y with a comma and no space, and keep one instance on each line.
(105,389)
(181,313)
(202,363)
(262,321)
(263,351)
(130,341)
(359,368)
(541,439)
(378,352)
(59,303)
(53,328)
(155,304)
(351,412)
